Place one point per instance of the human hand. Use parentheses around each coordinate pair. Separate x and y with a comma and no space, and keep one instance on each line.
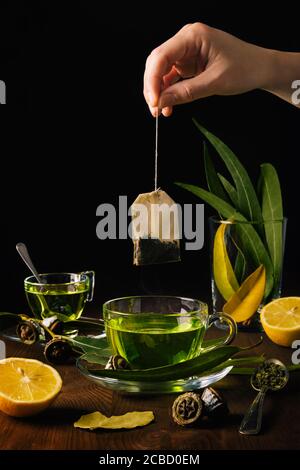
(200,61)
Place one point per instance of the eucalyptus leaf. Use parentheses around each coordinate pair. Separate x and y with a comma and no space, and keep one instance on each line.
(273,217)
(210,343)
(85,325)
(100,357)
(256,252)
(248,203)
(203,363)
(89,345)
(212,179)
(242,370)
(240,267)
(236,370)
(251,241)
(230,190)
(240,363)
(224,208)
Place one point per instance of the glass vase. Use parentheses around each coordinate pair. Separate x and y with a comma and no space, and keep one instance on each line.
(246,267)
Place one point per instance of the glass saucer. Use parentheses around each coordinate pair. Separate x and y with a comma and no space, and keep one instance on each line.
(183,385)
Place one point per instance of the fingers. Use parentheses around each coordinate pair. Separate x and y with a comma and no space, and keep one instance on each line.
(188,90)
(169,79)
(167,111)
(159,64)
(172,77)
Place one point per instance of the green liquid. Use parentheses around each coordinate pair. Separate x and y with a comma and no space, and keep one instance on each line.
(65,305)
(150,342)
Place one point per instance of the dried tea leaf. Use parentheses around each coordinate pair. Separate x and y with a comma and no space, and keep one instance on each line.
(127,421)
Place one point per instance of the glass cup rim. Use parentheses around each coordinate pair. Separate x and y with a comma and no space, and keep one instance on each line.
(43,284)
(215,219)
(203,306)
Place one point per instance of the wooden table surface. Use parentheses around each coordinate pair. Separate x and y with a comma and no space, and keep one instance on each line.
(54,429)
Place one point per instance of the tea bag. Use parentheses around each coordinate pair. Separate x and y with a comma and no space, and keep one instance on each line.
(155,225)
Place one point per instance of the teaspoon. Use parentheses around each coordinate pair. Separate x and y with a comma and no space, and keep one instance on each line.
(251,423)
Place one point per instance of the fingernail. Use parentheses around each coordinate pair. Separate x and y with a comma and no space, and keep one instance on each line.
(167,100)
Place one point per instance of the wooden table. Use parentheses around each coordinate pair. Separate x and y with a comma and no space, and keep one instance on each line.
(54,428)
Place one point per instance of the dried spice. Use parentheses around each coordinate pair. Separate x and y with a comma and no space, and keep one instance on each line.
(214,404)
(57,327)
(52,326)
(187,409)
(58,351)
(269,375)
(117,362)
(129,420)
(28,331)
(191,407)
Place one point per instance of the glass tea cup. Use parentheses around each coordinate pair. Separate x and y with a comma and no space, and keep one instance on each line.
(60,294)
(154,331)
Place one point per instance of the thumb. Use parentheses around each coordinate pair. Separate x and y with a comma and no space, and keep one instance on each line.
(188,90)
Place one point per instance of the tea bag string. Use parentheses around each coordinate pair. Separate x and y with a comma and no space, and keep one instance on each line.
(156,151)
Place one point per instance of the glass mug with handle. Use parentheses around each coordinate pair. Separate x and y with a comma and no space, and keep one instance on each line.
(60,294)
(154,331)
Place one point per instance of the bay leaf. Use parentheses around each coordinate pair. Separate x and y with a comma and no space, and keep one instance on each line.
(129,420)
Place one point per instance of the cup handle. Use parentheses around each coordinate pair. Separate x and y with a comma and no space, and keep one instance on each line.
(225,339)
(91,276)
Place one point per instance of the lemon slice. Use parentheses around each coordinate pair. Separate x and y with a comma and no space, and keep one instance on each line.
(281,320)
(224,276)
(246,300)
(27,386)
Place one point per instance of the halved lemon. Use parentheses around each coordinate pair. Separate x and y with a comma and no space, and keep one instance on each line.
(281,320)
(27,386)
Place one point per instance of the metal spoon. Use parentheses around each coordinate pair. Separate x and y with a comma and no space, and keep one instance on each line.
(23,252)
(251,423)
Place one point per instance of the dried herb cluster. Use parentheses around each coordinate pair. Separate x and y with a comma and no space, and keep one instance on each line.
(191,407)
(57,349)
(269,375)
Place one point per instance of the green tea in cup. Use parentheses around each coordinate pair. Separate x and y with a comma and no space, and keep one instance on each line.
(60,294)
(153,331)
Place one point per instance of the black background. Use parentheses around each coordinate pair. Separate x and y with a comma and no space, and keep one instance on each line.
(76,132)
